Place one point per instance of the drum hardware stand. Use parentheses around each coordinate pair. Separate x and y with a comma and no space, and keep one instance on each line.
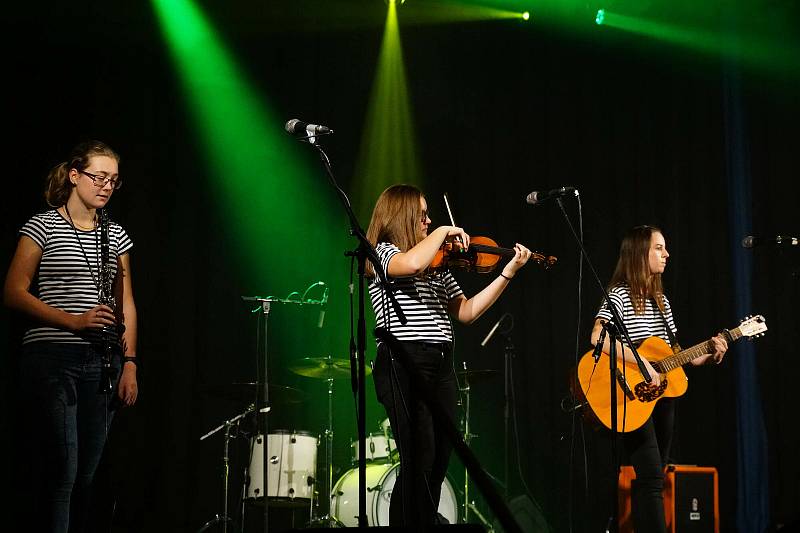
(224,518)
(262,386)
(468,436)
(328,519)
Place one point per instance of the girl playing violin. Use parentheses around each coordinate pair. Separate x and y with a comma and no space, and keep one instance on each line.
(399,231)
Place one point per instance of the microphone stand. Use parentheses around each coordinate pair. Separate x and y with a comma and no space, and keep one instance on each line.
(615,330)
(363,252)
(508,355)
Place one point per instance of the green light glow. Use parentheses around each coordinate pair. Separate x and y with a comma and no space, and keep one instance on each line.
(257,176)
(526,16)
(751,50)
(388,151)
(452,11)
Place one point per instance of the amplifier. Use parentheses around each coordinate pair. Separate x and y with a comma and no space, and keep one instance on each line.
(691,499)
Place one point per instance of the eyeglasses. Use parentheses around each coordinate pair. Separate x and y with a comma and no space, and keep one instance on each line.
(424,216)
(101,181)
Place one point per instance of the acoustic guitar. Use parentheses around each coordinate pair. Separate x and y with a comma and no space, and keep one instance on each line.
(636,398)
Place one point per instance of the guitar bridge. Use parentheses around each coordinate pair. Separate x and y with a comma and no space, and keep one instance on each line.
(623,384)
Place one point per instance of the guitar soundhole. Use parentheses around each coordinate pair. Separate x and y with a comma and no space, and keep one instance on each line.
(649,393)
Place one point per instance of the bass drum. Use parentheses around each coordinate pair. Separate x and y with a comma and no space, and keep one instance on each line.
(380,482)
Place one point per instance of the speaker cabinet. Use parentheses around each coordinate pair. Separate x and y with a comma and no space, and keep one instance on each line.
(691,499)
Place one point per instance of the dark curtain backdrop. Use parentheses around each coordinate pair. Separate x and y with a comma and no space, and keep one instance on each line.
(501,109)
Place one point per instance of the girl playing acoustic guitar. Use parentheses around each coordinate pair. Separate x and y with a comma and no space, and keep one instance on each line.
(637,293)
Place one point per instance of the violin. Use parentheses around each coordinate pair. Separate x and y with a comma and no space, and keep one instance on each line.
(482,256)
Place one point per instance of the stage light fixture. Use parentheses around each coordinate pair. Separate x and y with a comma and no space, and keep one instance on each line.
(525,16)
(601,16)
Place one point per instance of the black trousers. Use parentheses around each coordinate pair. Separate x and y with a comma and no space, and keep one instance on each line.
(648,450)
(424,448)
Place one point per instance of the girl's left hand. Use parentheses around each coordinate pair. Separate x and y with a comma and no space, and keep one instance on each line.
(521,257)
(720,347)
(128,389)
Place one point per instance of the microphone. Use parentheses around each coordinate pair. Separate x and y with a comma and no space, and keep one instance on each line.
(297,127)
(323,306)
(494,328)
(537,197)
(571,404)
(781,240)
(598,349)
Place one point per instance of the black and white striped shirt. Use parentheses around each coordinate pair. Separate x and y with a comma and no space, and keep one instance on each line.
(424,301)
(64,278)
(640,327)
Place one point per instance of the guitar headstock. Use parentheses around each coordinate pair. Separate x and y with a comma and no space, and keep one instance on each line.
(753,326)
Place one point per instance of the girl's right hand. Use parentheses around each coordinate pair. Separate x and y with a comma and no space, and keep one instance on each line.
(95,318)
(454,233)
(655,375)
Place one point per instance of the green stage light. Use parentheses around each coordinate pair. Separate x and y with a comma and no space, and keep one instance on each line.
(601,17)
(526,15)
(749,48)
(388,152)
(256,172)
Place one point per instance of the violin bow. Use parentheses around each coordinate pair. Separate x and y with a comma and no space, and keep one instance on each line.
(452,220)
(449,212)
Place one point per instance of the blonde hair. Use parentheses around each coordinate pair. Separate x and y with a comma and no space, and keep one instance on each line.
(396,219)
(57,185)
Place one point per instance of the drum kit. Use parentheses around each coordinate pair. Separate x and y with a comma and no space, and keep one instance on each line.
(292,479)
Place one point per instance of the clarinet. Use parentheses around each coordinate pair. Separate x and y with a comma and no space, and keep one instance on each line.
(106,297)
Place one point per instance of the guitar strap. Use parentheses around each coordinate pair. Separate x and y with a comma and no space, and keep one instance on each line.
(672,340)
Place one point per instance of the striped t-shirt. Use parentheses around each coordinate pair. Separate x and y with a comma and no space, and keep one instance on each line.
(423,299)
(64,279)
(640,327)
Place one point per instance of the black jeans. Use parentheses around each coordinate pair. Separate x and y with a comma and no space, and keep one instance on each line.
(68,422)
(423,446)
(648,449)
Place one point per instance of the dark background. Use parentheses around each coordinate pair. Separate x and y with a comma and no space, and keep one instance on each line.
(501,109)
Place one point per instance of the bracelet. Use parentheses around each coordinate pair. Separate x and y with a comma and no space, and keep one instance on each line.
(128,359)
(503,275)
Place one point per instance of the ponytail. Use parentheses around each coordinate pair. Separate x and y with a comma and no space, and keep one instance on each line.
(58,187)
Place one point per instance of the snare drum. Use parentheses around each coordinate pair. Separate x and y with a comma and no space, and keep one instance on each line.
(292,457)
(380,482)
(379,449)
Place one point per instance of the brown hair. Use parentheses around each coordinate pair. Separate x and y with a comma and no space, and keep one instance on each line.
(633,268)
(396,219)
(57,185)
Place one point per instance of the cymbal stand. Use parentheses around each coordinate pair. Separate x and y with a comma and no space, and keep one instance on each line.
(468,435)
(227,425)
(328,519)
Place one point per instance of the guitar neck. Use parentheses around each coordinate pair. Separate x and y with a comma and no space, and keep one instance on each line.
(685,356)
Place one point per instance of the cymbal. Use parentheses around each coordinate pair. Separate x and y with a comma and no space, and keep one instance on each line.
(324,368)
(475,375)
(280,394)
